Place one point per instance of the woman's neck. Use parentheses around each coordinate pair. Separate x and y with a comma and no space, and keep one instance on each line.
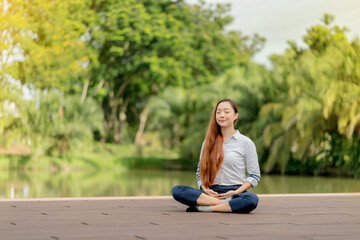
(227,132)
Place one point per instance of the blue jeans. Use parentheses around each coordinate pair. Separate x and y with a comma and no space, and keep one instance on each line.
(241,203)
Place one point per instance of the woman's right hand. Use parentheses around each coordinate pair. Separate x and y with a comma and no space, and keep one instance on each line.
(209,192)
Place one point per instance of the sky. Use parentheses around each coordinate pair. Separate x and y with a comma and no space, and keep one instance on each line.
(282,20)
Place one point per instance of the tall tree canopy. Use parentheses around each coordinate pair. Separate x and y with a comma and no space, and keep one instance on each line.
(314,117)
(44,42)
(43,47)
(304,114)
(147,45)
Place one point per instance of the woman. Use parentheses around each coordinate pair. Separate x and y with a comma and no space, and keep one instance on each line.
(225,154)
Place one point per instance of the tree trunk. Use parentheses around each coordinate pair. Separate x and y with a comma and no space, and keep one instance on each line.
(118,137)
(84,92)
(107,125)
(111,117)
(99,86)
(122,120)
(143,118)
(115,120)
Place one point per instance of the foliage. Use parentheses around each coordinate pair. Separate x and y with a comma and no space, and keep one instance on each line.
(10,116)
(42,47)
(304,114)
(181,116)
(42,42)
(53,123)
(58,124)
(145,46)
(317,106)
(153,70)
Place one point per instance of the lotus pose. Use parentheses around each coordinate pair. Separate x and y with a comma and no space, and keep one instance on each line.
(225,154)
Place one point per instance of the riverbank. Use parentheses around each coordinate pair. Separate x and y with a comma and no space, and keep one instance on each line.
(290,216)
(99,157)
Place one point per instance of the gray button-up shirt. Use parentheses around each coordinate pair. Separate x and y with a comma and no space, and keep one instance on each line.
(239,154)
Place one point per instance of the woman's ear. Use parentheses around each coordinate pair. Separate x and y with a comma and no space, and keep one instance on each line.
(236,116)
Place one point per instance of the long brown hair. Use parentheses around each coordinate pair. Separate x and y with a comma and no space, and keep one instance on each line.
(213,154)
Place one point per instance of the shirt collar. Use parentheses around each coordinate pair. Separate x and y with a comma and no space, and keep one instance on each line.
(236,135)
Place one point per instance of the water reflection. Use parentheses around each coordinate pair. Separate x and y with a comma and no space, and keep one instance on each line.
(91,184)
(146,183)
(304,184)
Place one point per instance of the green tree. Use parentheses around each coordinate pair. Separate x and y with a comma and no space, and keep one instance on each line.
(58,124)
(317,106)
(145,46)
(303,114)
(182,115)
(44,42)
(43,47)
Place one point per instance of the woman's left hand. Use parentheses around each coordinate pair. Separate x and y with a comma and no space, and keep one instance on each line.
(227,194)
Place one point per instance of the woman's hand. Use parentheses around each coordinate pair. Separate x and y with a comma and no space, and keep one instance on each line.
(227,194)
(241,189)
(209,192)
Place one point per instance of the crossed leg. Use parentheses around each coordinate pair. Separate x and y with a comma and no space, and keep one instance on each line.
(244,203)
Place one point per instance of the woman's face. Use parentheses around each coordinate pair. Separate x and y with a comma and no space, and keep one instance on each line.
(225,115)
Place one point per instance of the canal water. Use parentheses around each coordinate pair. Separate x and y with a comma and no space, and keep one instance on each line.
(147,183)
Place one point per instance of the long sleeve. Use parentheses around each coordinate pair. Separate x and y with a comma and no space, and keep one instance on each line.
(252,164)
(198,175)
(198,168)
